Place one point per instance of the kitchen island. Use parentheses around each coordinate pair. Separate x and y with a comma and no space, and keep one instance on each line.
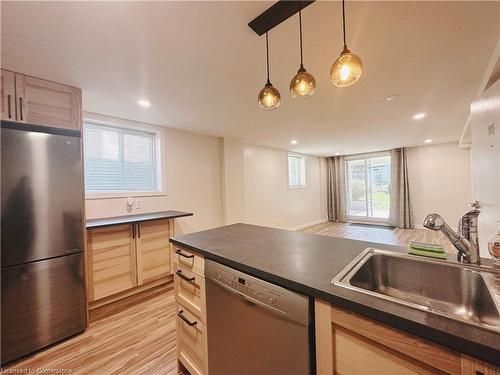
(306,264)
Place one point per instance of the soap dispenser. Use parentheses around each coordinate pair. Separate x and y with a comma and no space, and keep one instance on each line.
(494,248)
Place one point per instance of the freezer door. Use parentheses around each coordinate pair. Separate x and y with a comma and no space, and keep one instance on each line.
(42,302)
(41,194)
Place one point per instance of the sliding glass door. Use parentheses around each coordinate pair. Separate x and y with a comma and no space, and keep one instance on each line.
(368,180)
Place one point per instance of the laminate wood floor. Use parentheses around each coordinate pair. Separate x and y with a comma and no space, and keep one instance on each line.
(139,339)
(395,236)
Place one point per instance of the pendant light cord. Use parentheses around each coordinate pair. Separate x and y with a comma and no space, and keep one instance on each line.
(300,31)
(267,58)
(343,23)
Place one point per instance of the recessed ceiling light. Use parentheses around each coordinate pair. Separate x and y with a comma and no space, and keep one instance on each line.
(428,141)
(143,103)
(294,141)
(392,97)
(419,116)
(337,153)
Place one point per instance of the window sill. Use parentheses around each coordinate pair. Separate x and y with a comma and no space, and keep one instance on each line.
(125,194)
(297,187)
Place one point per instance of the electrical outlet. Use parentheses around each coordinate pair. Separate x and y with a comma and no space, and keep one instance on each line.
(139,204)
(130,204)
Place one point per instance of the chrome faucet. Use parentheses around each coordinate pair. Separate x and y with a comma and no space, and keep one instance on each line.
(466,241)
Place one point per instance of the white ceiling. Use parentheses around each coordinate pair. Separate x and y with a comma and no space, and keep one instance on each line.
(202,67)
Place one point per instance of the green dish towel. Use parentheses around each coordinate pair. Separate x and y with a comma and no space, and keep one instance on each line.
(426,246)
(427,253)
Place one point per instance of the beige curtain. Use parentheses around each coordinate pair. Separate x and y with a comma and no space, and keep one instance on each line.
(336,189)
(401,214)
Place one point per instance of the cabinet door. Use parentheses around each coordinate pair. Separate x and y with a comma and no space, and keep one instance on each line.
(47,103)
(473,366)
(7,95)
(112,260)
(153,250)
(377,360)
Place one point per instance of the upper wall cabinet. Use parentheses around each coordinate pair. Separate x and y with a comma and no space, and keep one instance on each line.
(37,101)
(8,95)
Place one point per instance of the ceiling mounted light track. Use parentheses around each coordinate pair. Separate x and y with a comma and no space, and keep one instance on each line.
(303,83)
(269,97)
(348,67)
(276,14)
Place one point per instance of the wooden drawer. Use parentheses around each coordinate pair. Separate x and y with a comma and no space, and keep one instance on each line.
(190,291)
(189,260)
(191,342)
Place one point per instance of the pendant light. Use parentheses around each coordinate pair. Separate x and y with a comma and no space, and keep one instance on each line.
(269,97)
(347,69)
(303,83)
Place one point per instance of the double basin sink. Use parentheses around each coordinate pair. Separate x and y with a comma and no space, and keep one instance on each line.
(467,293)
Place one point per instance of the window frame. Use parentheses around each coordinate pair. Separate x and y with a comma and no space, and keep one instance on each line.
(96,119)
(303,164)
(364,219)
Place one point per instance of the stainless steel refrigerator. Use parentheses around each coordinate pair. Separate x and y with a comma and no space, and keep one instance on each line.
(42,269)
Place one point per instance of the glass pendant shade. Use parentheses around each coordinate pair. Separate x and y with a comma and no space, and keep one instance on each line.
(346,70)
(269,97)
(303,84)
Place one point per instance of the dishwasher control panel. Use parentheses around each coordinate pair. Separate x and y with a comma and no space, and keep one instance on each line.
(251,287)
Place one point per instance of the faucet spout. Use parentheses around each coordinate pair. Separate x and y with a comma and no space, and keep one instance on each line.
(468,250)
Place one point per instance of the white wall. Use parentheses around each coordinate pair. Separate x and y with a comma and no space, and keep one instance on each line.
(193,184)
(233,184)
(440,181)
(485,157)
(269,201)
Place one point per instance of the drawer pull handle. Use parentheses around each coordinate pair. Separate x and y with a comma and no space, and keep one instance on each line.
(182,276)
(179,252)
(180,314)
(8,106)
(21,108)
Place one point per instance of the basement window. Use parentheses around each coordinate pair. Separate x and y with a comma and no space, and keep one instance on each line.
(121,161)
(296,171)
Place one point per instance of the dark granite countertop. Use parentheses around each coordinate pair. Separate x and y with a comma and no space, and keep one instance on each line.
(306,263)
(94,223)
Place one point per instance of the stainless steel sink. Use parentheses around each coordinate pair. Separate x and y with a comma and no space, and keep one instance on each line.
(462,292)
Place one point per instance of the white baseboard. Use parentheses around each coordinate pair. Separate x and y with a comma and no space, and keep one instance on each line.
(316,222)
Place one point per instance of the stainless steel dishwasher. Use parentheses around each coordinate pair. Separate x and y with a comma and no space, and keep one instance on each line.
(255,327)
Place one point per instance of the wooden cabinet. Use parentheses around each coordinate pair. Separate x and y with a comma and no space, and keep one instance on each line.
(343,338)
(472,366)
(47,103)
(38,101)
(8,95)
(153,250)
(191,341)
(122,257)
(189,286)
(112,259)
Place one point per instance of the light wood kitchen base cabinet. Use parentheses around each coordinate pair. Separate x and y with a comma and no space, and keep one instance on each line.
(153,250)
(127,258)
(38,101)
(347,343)
(8,95)
(112,260)
(191,325)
